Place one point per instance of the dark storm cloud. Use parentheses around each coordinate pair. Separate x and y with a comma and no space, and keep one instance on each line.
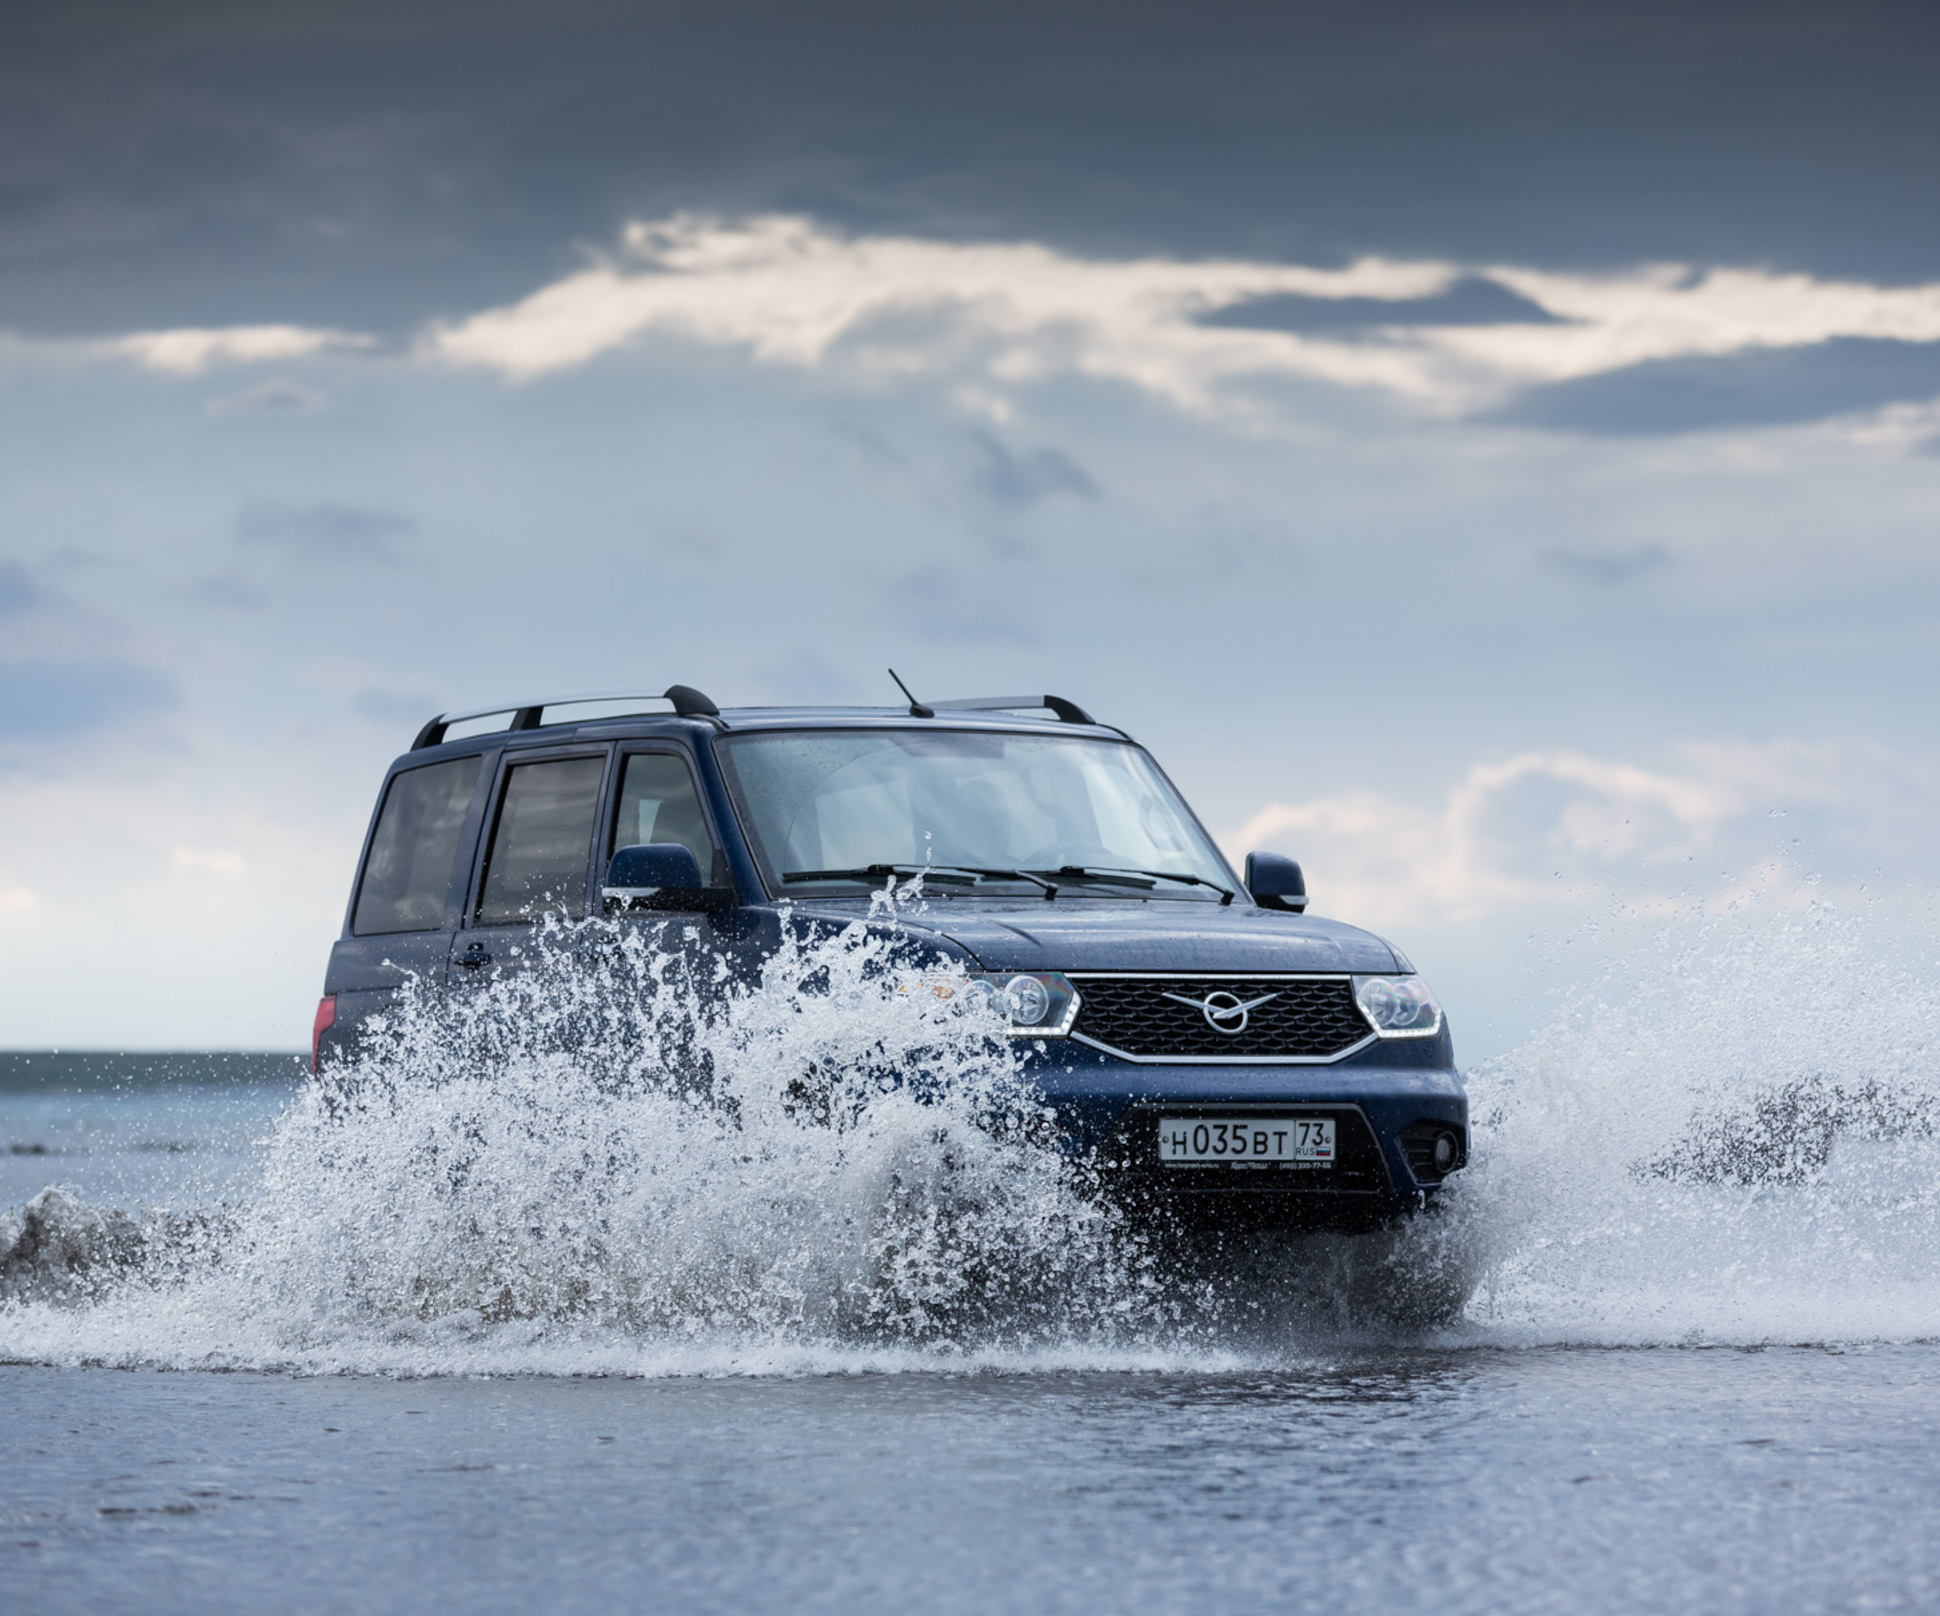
(42,700)
(1470,301)
(323,532)
(367,165)
(1762,387)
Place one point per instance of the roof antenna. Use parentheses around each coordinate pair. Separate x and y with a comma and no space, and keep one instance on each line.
(916,708)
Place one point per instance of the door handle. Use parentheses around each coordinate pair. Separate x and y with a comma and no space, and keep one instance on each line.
(475,956)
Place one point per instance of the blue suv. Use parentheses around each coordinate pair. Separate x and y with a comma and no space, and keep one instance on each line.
(1214,1051)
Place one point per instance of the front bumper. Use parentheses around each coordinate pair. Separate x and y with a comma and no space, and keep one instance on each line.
(1383,1099)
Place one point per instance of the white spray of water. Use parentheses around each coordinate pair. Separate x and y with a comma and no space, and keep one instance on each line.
(1740,1147)
(591,1167)
(590,1164)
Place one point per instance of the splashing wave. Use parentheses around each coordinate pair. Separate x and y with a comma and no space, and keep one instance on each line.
(1740,1147)
(598,1168)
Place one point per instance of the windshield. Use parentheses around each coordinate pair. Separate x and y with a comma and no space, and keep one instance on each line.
(846,808)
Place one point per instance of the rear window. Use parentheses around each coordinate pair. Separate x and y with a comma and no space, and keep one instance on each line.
(408,875)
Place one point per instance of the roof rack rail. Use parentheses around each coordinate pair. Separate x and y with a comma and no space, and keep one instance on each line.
(688,703)
(1069,711)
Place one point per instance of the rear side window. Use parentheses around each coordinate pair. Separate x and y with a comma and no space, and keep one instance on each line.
(543,841)
(658,803)
(408,876)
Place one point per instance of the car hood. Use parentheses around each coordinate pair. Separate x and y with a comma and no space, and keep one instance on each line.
(1114,935)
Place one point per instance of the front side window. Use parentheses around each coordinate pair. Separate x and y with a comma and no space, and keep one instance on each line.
(408,875)
(658,803)
(825,808)
(543,841)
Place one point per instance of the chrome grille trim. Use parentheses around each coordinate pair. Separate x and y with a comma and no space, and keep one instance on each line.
(1189,979)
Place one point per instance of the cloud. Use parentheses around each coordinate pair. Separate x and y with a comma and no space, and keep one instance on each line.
(280,397)
(1670,311)
(790,291)
(207,860)
(1548,828)
(183,156)
(333,532)
(794,292)
(1609,566)
(1469,301)
(1758,387)
(190,350)
(1023,479)
(1664,347)
(43,700)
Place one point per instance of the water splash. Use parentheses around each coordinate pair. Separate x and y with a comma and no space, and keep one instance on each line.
(592,1163)
(1738,1146)
(593,1166)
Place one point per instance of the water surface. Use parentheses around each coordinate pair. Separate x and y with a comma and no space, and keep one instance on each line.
(532,1319)
(1533,1480)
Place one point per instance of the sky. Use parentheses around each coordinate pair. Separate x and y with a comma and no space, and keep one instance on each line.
(1490,453)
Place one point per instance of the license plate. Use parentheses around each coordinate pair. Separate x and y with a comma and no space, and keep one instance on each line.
(1194,1141)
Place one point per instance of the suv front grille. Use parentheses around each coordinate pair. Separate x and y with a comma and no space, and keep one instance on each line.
(1312,1018)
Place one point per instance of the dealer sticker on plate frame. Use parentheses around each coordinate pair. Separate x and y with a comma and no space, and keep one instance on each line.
(1198,1141)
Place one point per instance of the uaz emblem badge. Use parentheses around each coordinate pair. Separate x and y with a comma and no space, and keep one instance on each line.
(1224,1012)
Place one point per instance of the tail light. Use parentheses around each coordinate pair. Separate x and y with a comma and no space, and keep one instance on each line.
(326,1019)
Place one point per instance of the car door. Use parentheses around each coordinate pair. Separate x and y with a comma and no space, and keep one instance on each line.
(536,859)
(656,798)
(410,889)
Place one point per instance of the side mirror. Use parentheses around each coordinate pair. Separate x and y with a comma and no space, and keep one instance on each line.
(1276,882)
(660,875)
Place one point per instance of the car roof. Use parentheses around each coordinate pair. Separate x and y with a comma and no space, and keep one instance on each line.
(756,720)
(747,718)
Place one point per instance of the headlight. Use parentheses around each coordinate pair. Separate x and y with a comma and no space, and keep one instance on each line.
(1398,1006)
(1037,1004)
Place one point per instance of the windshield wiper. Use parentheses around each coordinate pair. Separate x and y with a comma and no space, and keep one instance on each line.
(943,874)
(874,872)
(1106,873)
